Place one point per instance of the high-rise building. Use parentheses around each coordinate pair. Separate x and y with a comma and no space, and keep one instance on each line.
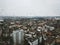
(18,37)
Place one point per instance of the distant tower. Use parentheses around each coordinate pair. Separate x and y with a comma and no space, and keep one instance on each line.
(18,37)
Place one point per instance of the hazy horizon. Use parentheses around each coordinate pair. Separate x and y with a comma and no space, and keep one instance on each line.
(30,8)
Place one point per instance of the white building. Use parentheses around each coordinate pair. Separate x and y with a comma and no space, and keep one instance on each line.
(18,36)
(50,27)
(1,20)
(35,42)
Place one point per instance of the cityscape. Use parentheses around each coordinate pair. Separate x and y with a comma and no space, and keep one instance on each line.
(29,30)
(29,22)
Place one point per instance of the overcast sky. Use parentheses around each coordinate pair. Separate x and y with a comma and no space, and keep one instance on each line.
(29,7)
